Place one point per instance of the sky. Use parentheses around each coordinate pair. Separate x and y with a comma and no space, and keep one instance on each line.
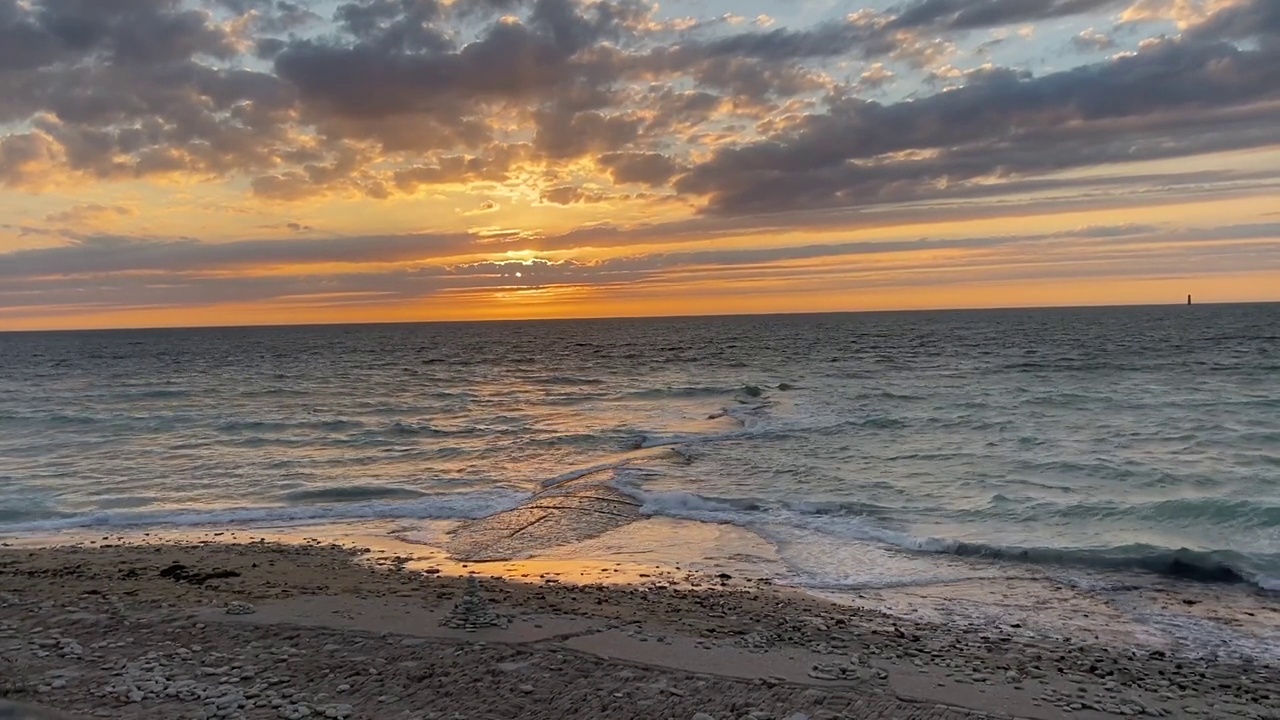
(233,162)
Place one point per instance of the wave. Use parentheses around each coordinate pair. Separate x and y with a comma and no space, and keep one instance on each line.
(351,493)
(567,380)
(239,426)
(749,392)
(353,430)
(1237,514)
(63,418)
(10,516)
(1213,566)
(861,522)
(685,392)
(1182,511)
(441,506)
(648,442)
(844,508)
(409,429)
(155,394)
(678,503)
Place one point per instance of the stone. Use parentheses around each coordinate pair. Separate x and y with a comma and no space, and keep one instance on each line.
(471,612)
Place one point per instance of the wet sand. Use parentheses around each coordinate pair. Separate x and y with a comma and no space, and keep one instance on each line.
(281,625)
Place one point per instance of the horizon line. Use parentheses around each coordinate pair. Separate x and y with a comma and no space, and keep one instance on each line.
(902,311)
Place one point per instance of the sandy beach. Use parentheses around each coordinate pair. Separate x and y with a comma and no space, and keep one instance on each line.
(282,624)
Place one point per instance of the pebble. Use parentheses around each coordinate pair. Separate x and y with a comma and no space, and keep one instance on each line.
(238,607)
(246,680)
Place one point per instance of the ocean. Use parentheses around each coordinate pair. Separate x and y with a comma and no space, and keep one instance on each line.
(869,450)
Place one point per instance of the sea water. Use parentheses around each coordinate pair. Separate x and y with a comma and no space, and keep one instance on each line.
(871,450)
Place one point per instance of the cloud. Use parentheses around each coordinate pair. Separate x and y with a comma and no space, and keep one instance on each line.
(387,97)
(26,158)
(98,253)
(117,271)
(1240,19)
(874,78)
(87,212)
(1091,40)
(973,14)
(293,226)
(644,168)
(120,32)
(144,88)
(571,195)
(487,206)
(101,255)
(1002,124)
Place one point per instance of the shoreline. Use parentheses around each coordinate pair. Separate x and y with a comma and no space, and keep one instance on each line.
(109,628)
(1136,610)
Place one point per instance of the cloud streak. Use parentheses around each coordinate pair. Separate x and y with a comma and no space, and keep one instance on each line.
(138,272)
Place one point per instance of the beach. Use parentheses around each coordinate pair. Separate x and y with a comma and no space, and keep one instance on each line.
(341,621)
(1029,514)
(639,359)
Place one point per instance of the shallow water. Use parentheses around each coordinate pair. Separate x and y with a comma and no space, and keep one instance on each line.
(1132,440)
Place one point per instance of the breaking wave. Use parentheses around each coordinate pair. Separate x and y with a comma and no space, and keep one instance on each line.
(856,521)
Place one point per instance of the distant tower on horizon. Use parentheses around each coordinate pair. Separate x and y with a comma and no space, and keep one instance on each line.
(1188,299)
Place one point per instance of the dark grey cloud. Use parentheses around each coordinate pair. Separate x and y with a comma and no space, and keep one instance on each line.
(494,165)
(400,62)
(645,168)
(561,64)
(829,39)
(973,14)
(93,254)
(400,94)
(1003,124)
(125,32)
(1255,18)
(1092,236)
(510,62)
(395,24)
(574,135)
(285,16)
(758,80)
(1038,196)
